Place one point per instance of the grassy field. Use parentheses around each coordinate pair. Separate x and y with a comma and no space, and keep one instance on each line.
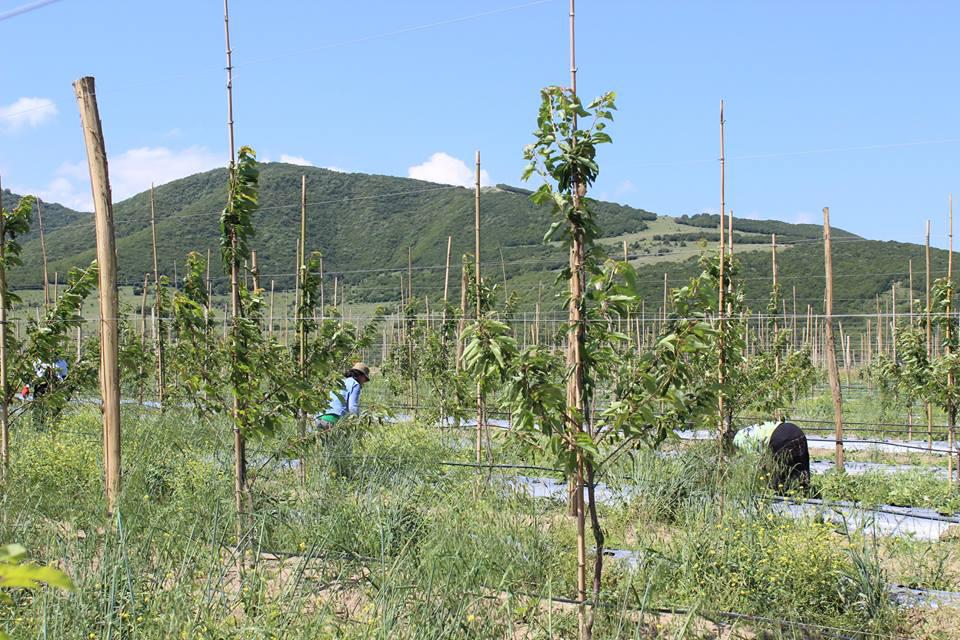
(384,541)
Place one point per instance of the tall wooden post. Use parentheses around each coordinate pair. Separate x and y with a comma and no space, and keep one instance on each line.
(776,325)
(575,361)
(830,347)
(477,307)
(159,335)
(239,441)
(951,407)
(446,277)
(724,428)
(4,409)
(893,314)
(107,261)
(43,255)
(910,294)
(463,311)
(301,322)
(929,340)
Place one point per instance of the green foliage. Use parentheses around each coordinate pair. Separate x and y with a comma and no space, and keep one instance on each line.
(16,573)
(198,355)
(47,340)
(236,221)
(14,224)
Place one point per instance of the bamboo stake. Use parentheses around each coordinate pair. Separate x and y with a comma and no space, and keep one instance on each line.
(143,334)
(43,255)
(776,328)
(503,270)
(477,281)
(575,389)
(301,322)
(410,296)
(910,294)
(951,408)
(271,307)
(793,321)
(723,431)
(109,308)
(929,341)
(446,277)
(4,409)
(241,495)
(893,306)
(209,290)
(158,337)
(56,286)
(831,354)
(463,312)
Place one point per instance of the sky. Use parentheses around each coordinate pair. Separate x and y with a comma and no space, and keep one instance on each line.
(839,103)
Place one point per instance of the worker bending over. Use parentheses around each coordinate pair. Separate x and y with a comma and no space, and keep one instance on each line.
(786,446)
(346,401)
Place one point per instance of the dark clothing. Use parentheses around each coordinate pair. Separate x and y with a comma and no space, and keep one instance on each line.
(791,458)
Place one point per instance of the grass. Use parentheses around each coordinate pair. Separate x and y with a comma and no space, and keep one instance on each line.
(382,542)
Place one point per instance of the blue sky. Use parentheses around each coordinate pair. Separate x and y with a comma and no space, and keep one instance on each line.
(844,104)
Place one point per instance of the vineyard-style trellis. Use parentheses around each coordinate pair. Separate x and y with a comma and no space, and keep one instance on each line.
(606,374)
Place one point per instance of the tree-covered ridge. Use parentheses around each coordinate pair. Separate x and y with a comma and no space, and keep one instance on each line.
(786,231)
(364,224)
(360,222)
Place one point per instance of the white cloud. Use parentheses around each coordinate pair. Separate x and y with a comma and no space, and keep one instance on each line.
(445,169)
(625,187)
(26,112)
(130,173)
(298,160)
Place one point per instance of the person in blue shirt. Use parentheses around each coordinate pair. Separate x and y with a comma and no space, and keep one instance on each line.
(346,401)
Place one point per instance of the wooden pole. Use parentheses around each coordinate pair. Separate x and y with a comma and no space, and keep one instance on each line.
(477,281)
(575,364)
(159,335)
(893,314)
(951,408)
(910,293)
(410,295)
(143,337)
(107,261)
(4,409)
(776,327)
(463,311)
(503,270)
(830,347)
(239,441)
(271,307)
(43,255)
(301,321)
(929,340)
(446,277)
(209,290)
(723,430)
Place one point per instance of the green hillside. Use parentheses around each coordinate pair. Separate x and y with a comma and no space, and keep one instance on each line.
(364,225)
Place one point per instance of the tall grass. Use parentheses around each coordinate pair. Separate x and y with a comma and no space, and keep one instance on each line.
(382,542)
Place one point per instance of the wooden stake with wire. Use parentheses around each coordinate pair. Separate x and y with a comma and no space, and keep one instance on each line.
(158,336)
(929,340)
(830,347)
(43,255)
(4,408)
(85,90)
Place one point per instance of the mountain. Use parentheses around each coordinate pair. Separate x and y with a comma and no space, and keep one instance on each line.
(365,225)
